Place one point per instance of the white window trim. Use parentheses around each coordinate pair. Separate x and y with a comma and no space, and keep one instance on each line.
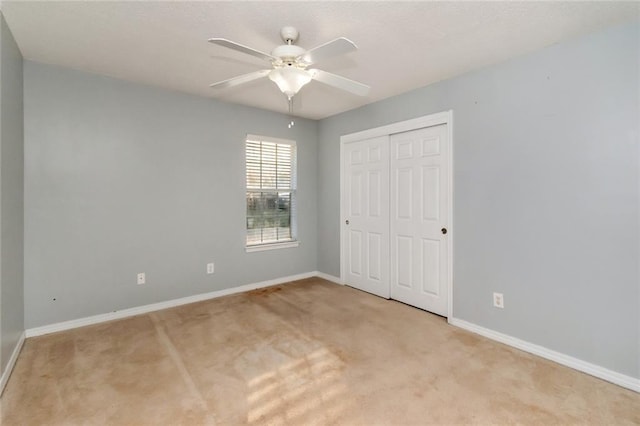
(272,246)
(294,242)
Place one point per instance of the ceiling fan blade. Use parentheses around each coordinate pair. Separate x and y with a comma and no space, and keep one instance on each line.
(340,82)
(332,48)
(241,79)
(242,48)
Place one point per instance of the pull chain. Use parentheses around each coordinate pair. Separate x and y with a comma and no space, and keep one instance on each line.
(291,123)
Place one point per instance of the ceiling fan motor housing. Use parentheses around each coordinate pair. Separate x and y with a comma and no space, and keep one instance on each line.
(288,53)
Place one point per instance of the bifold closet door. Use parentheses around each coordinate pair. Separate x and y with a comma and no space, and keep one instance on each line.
(419,218)
(366,225)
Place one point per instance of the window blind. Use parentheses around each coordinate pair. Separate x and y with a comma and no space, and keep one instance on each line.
(270,174)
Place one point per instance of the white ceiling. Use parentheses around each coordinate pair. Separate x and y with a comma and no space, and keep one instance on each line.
(402,45)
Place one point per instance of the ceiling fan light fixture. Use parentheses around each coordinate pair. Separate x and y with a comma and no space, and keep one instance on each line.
(289,64)
(289,79)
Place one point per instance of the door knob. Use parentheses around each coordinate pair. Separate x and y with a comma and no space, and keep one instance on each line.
(444,230)
(346,222)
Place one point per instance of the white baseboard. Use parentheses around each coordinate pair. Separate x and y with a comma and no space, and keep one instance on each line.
(96,319)
(12,362)
(566,360)
(328,277)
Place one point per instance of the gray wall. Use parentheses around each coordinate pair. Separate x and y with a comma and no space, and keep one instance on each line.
(122,178)
(11,194)
(546,195)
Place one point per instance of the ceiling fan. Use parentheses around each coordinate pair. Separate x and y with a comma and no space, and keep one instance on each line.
(289,64)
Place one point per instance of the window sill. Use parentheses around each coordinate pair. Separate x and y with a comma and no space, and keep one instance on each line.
(272,246)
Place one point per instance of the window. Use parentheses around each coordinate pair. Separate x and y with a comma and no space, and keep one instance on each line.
(271,192)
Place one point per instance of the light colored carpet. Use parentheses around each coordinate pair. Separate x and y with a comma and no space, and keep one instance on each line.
(304,353)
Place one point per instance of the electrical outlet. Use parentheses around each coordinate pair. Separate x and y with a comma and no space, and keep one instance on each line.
(210,268)
(141,278)
(498,300)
